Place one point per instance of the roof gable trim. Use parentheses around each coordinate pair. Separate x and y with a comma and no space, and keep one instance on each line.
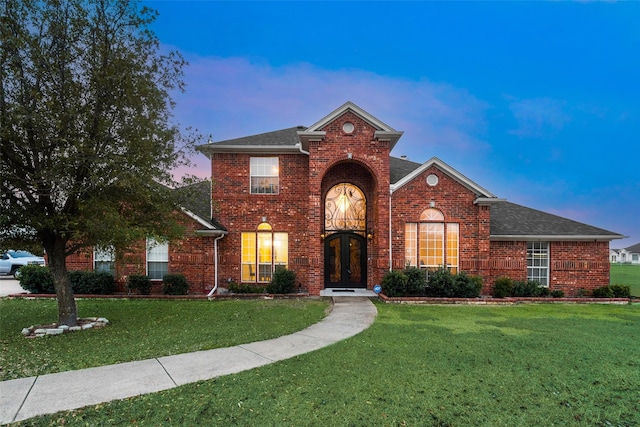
(484,195)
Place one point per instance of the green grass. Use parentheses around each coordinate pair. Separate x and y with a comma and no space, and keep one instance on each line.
(141,329)
(626,274)
(525,365)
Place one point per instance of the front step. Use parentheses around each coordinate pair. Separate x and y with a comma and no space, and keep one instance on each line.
(347,292)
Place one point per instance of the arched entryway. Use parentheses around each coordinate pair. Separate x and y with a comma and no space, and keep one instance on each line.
(345,245)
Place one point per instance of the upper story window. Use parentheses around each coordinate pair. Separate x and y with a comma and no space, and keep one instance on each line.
(265,175)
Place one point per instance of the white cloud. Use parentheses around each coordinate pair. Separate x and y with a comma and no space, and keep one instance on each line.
(234,97)
(538,117)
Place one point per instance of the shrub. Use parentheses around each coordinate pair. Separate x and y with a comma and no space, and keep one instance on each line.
(558,293)
(441,284)
(621,291)
(282,282)
(613,291)
(36,279)
(139,282)
(175,284)
(545,292)
(602,292)
(502,287)
(467,286)
(526,289)
(92,282)
(246,289)
(416,280)
(394,283)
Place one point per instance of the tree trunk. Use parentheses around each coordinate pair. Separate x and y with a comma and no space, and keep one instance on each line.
(67,310)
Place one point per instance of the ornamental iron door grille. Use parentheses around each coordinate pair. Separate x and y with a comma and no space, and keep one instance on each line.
(345,209)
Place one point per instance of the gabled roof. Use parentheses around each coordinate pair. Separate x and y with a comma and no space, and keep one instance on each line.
(480,192)
(279,141)
(399,168)
(634,248)
(383,132)
(510,221)
(196,204)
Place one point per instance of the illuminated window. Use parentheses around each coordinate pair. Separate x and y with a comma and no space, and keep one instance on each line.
(104,259)
(157,259)
(345,208)
(262,252)
(264,175)
(432,243)
(538,262)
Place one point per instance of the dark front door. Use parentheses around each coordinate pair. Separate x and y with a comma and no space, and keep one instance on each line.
(345,261)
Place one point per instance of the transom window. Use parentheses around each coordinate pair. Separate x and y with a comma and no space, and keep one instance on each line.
(263,251)
(265,175)
(538,262)
(345,208)
(157,259)
(432,243)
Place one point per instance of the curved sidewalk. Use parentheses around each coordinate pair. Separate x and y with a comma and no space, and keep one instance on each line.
(27,397)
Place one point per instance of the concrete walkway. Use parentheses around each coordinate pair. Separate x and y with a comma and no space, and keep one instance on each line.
(27,397)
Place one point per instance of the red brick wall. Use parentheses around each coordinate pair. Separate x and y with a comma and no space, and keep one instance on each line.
(572,265)
(192,256)
(239,211)
(455,201)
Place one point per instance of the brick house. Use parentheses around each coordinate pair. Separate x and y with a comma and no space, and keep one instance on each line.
(330,203)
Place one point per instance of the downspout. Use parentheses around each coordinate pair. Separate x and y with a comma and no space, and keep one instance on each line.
(215,268)
(299,145)
(390,233)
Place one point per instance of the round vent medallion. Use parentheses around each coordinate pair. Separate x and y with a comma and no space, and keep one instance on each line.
(348,127)
(432,180)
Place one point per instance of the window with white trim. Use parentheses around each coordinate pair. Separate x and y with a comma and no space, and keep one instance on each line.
(262,252)
(538,262)
(104,259)
(157,259)
(265,175)
(432,243)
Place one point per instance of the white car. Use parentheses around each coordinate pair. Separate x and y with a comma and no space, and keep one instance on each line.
(11,261)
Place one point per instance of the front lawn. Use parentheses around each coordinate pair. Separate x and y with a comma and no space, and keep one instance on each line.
(626,274)
(524,365)
(141,329)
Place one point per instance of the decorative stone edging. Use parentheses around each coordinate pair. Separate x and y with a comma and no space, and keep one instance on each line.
(54,329)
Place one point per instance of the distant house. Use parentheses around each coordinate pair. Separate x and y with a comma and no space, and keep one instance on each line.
(630,255)
(329,202)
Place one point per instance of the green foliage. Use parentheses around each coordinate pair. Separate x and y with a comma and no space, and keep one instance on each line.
(558,293)
(467,286)
(441,284)
(526,289)
(394,283)
(612,291)
(175,284)
(88,126)
(139,282)
(246,288)
(502,287)
(282,282)
(416,280)
(36,279)
(92,282)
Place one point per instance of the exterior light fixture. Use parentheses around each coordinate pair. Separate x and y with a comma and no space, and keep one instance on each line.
(322,236)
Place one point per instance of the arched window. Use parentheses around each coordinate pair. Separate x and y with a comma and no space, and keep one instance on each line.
(432,243)
(345,208)
(263,251)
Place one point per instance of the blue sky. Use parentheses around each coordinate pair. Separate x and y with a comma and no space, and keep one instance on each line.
(539,102)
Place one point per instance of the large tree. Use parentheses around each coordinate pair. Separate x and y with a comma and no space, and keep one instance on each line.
(86,131)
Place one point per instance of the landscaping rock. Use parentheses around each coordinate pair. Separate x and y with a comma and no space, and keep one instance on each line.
(54,329)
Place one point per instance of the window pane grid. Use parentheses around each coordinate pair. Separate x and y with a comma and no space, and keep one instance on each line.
(157,259)
(264,175)
(538,262)
(262,252)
